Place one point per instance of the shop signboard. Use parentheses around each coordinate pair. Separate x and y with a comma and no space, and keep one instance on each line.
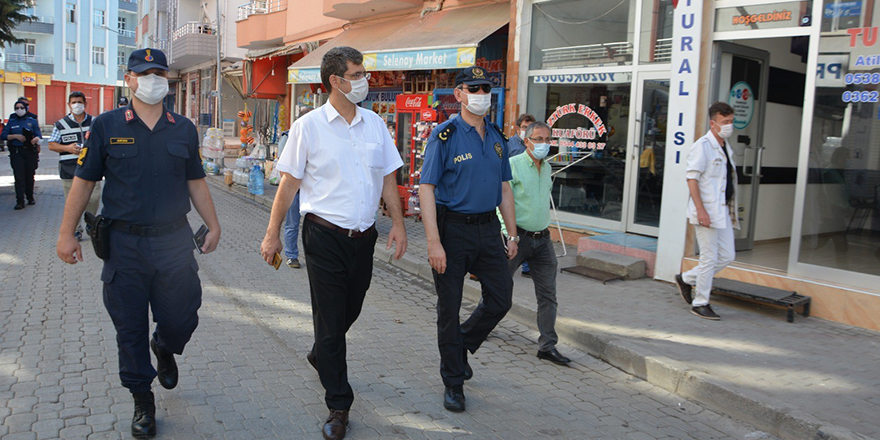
(843,9)
(44,80)
(412,102)
(576,140)
(2,75)
(451,58)
(742,99)
(304,76)
(12,77)
(586,78)
(831,69)
(763,16)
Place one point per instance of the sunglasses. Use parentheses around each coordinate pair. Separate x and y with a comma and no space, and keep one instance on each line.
(476,88)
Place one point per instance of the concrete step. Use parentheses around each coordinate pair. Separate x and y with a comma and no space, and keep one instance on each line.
(638,246)
(631,268)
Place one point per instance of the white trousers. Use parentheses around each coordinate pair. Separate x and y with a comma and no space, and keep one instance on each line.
(716,252)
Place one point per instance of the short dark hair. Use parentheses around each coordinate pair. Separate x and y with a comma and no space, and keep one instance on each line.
(525,117)
(536,125)
(335,62)
(720,108)
(76,94)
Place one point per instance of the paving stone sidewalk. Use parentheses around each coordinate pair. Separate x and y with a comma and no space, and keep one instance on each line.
(809,379)
(244,375)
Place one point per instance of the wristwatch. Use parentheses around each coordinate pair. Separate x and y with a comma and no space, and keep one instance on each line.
(514,239)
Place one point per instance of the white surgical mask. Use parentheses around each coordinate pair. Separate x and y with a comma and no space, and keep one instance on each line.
(540,151)
(21,112)
(151,89)
(479,104)
(77,108)
(359,90)
(725,131)
(522,134)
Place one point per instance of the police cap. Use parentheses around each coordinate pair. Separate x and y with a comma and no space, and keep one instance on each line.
(145,59)
(472,76)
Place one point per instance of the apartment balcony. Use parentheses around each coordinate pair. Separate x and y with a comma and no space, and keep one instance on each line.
(261,24)
(191,44)
(128,5)
(126,37)
(44,25)
(19,62)
(361,9)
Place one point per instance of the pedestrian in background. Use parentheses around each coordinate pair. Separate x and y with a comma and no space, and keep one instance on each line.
(711,179)
(341,158)
(291,222)
(22,135)
(150,159)
(517,147)
(464,178)
(67,139)
(123,102)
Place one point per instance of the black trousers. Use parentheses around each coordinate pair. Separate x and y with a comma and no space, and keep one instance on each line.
(24,167)
(478,249)
(340,270)
(150,273)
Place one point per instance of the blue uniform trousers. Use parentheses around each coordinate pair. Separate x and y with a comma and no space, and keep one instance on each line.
(150,273)
(24,168)
(476,249)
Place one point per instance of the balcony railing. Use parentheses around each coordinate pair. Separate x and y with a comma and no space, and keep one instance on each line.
(25,58)
(260,7)
(128,5)
(126,33)
(663,50)
(161,45)
(193,27)
(576,56)
(40,25)
(43,19)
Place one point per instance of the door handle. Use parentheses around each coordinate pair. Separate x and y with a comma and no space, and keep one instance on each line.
(745,164)
(758,162)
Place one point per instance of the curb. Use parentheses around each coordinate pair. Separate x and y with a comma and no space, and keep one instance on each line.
(765,413)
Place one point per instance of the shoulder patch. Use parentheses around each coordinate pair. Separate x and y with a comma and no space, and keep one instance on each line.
(129,115)
(82,156)
(498,129)
(170,118)
(444,134)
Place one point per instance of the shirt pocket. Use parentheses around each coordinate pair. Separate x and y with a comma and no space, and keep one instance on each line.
(373,155)
(121,160)
(178,154)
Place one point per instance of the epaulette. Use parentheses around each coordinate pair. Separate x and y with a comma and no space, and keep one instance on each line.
(498,129)
(444,134)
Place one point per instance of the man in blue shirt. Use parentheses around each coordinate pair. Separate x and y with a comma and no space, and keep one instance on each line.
(465,172)
(23,135)
(149,158)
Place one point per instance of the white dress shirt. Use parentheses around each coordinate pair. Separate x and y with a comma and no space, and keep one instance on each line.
(342,166)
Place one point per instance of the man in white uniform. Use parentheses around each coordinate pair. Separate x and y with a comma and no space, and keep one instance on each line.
(711,179)
(342,158)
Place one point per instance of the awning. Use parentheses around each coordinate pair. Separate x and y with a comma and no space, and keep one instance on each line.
(411,43)
(257,54)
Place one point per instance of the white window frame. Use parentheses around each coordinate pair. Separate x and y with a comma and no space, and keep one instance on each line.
(30,47)
(70,51)
(122,24)
(98,56)
(70,12)
(99,18)
(120,58)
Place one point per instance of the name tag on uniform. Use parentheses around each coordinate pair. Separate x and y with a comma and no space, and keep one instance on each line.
(68,138)
(121,141)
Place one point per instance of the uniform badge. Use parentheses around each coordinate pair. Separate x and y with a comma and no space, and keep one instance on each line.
(149,57)
(478,73)
(129,115)
(121,141)
(444,134)
(170,118)
(82,156)
(498,149)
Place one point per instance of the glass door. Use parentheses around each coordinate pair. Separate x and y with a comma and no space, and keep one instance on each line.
(648,153)
(741,81)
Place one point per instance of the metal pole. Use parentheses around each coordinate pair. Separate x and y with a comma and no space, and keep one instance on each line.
(219,82)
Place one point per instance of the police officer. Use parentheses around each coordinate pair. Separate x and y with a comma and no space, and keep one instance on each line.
(67,139)
(149,157)
(466,173)
(23,137)
(123,102)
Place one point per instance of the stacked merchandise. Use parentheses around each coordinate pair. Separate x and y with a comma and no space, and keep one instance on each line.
(212,151)
(421,133)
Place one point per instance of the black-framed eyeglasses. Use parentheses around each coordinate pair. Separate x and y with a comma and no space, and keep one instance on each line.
(357,76)
(476,88)
(540,140)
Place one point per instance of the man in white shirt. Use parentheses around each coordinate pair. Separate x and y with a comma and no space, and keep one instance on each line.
(711,179)
(341,157)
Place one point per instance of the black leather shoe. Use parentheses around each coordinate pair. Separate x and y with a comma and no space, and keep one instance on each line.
(705,312)
(526,274)
(685,289)
(334,426)
(453,398)
(468,372)
(313,361)
(166,367)
(554,356)
(32,202)
(18,205)
(143,422)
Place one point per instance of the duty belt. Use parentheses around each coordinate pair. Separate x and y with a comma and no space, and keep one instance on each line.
(470,219)
(533,235)
(351,233)
(148,231)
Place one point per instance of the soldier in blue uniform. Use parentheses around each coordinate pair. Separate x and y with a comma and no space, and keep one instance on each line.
(22,134)
(149,158)
(466,173)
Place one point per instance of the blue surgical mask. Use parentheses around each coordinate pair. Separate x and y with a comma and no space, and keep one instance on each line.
(540,151)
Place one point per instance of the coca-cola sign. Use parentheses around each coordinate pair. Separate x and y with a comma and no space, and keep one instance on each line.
(412,102)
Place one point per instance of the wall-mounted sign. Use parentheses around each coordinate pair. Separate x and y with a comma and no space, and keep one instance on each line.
(843,9)
(568,139)
(2,76)
(586,78)
(304,76)
(742,99)
(413,102)
(765,16)
(453,58)
(12,77)
(44,80)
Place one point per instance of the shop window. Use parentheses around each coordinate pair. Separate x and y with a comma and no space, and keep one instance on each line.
(577,33)
(589,130)
(841,213)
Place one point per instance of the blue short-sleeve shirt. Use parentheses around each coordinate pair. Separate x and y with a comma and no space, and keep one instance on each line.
(466,169)
(146,171)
